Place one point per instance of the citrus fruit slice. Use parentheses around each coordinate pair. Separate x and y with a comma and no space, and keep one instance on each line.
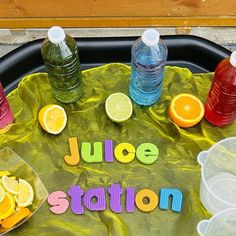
(52,118)
(4,172)
(118,107)
(186,110)
(7,206)
(11,185)
(2,193)
(26,194)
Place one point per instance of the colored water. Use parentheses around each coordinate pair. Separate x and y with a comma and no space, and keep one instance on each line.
(146,83)
(221,103)
(6,115)
(63,68)
(147,72)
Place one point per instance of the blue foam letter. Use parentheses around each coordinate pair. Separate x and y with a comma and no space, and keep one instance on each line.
(177,199)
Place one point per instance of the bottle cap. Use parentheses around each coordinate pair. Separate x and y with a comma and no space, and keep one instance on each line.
(233,59)
(56,34)
(151,37)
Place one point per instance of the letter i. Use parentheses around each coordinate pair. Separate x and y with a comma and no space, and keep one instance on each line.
(109,150)
(130,198)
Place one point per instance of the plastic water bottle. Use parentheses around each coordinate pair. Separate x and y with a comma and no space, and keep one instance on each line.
(6,115)
(220,108)
(148,59)
(60,55)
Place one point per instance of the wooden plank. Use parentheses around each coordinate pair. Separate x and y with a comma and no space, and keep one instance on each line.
(116,22)
(116,13)
(116,8)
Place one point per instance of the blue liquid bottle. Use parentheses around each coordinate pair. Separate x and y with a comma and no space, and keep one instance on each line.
(148,59)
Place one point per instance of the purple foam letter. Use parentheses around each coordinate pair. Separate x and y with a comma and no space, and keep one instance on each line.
(76,194)
(109,150)
(130,192)
(99,195)
(115,192)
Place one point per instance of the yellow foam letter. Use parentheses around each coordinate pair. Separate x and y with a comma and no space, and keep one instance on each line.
(121,156)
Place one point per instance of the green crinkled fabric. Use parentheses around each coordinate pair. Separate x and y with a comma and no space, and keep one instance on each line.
(176,167)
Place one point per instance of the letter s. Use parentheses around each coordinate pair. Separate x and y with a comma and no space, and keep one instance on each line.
(58,202)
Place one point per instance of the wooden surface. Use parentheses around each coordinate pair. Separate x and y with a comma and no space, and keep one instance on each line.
(116,13)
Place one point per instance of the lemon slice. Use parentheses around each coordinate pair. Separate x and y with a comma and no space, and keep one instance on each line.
(4,172)
(11,185)
(26,194)
(52,118)
(16,198)
(7,206)
(118,107)
(2,193)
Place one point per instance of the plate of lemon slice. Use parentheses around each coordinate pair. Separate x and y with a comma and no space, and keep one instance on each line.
(21,191)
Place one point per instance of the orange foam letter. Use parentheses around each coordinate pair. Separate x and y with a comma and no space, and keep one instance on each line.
(150,196)
(74,150)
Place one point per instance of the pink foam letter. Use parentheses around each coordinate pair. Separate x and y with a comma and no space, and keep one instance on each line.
(58,202)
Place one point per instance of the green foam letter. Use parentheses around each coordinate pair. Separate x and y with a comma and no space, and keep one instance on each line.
(147,153)
(88,156)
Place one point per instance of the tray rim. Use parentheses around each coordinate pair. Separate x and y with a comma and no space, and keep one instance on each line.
(21,57)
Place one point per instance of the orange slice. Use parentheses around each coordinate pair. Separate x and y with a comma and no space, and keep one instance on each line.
(52,118)
(2,193)
(186,110)
(7,206)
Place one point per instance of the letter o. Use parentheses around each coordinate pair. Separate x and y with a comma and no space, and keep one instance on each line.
(146,193)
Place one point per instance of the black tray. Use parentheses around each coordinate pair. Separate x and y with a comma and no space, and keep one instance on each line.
(197,54)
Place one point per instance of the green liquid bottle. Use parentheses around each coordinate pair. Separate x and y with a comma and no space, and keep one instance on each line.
(60,55)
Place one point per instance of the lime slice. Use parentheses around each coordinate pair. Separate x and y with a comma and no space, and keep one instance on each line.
(26,194)
(2,193)
(118,107)
(11,185)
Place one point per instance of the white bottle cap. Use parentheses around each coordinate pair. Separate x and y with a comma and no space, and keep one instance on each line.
(151,37)
(233,59)
(56,34)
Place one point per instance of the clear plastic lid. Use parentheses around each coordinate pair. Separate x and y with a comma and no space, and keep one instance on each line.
(233,59)
(56,34)
(150,37)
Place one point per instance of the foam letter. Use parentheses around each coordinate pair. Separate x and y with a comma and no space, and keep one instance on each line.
(119,152)
(109,150)
(58,202)
(147,153)
(115,192)
(130,199)
(152,200)
(99,195)
(76,194)
(97,152)
(177,199)
(74,150)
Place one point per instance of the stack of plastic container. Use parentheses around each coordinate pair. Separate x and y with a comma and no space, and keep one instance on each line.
(218,188)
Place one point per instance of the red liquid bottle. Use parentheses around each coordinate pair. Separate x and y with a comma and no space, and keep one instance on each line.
(6,115)
(220,108)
